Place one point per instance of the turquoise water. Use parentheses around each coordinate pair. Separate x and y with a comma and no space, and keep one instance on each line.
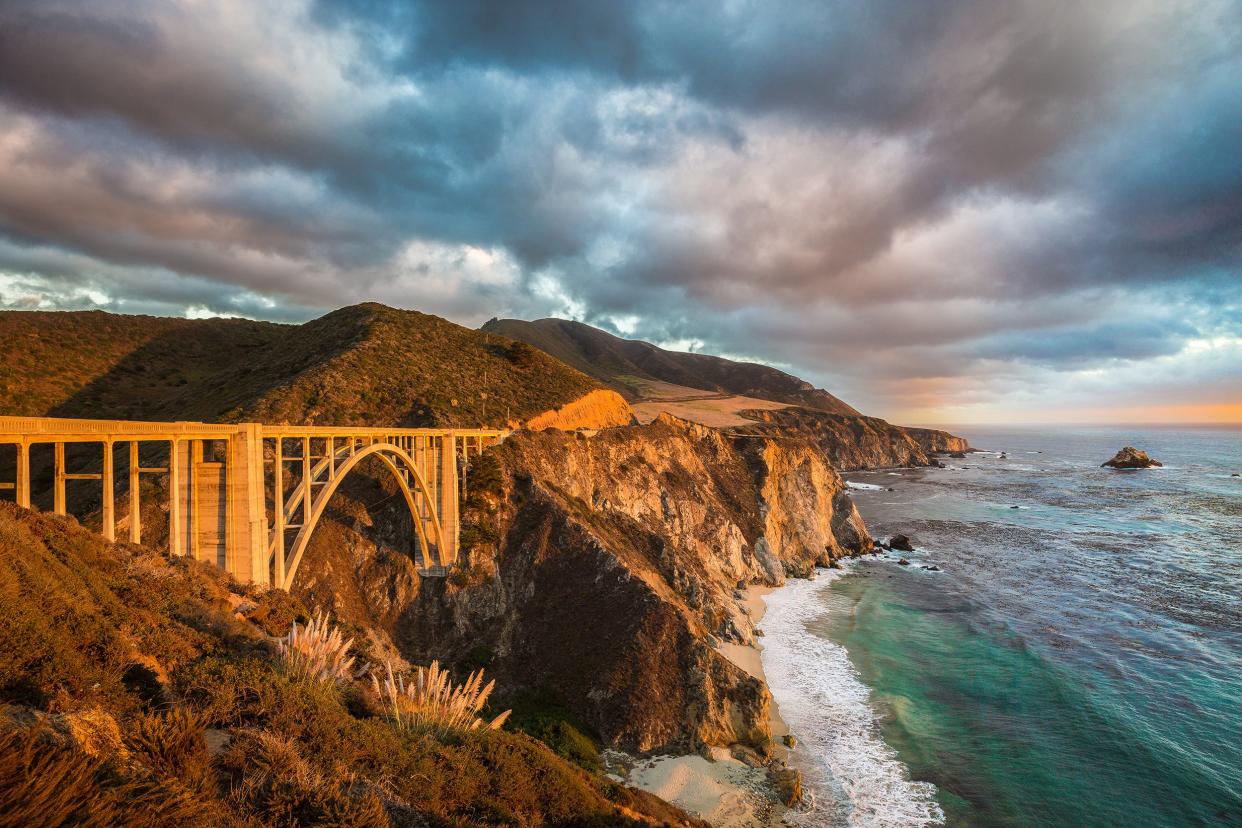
(1077,661)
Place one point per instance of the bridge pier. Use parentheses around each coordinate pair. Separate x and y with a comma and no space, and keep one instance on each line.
(107,509)
(22,484)
(448,497)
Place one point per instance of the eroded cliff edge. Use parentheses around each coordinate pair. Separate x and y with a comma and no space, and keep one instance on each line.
(604,569)
(853,442)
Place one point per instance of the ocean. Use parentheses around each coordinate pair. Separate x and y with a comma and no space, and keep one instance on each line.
(1077,660)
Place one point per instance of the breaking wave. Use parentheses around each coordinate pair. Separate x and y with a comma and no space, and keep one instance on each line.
(855,778)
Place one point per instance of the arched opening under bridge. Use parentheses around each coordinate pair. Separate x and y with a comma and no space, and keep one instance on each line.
(327,477)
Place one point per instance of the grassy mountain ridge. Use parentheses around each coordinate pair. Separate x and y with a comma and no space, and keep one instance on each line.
(619,362)
(362,365)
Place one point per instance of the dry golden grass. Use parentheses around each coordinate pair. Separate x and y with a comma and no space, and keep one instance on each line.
(279,786)
(317,652)
(44,786)
(431,701)
(45,783)
(171,743)
(717,411)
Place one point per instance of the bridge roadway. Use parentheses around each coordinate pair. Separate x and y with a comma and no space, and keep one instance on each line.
(245,496)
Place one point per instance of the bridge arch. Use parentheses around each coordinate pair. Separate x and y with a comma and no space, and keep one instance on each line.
(401,464)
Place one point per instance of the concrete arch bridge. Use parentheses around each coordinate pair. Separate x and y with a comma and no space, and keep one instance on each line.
(248,496)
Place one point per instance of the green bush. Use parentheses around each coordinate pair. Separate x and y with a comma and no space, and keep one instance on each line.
(540,714)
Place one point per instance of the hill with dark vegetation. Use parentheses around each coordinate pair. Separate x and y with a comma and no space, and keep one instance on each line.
(623,364)
(361,365)
(141,691)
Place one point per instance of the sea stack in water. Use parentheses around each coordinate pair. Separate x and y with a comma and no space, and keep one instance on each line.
(901,543)
(1131,458)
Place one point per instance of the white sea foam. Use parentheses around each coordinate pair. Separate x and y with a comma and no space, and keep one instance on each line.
(870,487)
(857,779)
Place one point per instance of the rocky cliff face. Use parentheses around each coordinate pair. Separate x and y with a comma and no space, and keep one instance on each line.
(606,568)
(851,443)
(935,441)
(807,512)
(603,570)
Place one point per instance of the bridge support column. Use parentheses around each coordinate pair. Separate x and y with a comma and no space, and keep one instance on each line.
(307,488)
(246,550)
(448,498)
(176,499)
(195,530)
(135,498)
(23,475)
(278,512)
(58,494)
(108,509)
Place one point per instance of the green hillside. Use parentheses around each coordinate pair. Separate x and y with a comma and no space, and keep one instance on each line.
(361,365)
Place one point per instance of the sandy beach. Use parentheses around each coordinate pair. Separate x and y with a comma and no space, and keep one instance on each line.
(723,790)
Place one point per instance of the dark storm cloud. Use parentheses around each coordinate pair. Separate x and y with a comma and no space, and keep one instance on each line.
(874,194)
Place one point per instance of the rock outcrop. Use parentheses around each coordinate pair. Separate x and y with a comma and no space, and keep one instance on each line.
(901,543)
(597,409)
(935,441)
(850,442)
(1131,458)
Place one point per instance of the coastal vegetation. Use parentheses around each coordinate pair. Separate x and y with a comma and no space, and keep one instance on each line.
(143,694)
(317,651)
(430,700)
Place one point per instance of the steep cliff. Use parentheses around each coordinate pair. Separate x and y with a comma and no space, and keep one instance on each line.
(850,443)
(603,570)
(934,441)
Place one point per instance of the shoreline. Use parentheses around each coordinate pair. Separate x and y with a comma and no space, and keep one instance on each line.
(722,789)
(749,657)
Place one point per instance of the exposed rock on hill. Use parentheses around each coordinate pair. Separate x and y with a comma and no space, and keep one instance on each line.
(624,363)
(597,409)
(362,365)
(601,570)
(1131,458)
(856,442)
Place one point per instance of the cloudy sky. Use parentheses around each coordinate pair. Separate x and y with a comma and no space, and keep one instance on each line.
(958,211)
